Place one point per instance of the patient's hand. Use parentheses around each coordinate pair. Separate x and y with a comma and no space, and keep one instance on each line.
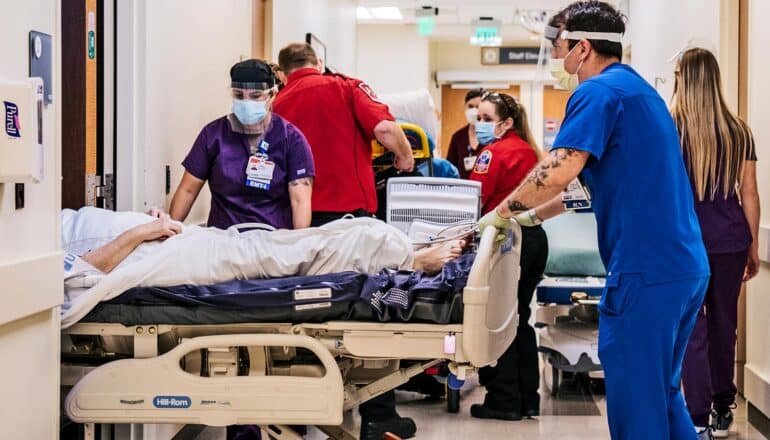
(156,212)
(433,258)
(160,229)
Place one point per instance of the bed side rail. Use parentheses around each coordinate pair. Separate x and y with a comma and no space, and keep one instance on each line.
(157,390)
(490,315)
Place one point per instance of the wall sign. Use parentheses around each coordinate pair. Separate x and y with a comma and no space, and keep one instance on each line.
(509,55)
(550,129)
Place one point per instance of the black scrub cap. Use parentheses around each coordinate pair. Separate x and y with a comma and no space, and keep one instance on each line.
(252,74)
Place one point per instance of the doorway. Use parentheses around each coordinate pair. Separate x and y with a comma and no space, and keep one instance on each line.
(86,169)
(453,110)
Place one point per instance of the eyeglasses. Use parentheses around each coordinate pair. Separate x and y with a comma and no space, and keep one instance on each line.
(496,97)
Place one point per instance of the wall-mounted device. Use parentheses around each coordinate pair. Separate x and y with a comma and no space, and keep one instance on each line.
(21,139)
(320,49)
(40,61)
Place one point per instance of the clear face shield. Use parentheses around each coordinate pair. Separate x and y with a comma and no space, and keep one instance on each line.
(554,49)
(547,41)
(666,83)
(254,91)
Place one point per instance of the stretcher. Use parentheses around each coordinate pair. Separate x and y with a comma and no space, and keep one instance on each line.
(276,374)
(567,317)
(382,159)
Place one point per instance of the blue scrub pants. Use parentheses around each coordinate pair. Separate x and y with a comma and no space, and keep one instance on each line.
(643,334)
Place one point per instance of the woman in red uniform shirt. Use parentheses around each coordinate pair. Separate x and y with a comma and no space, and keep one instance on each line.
(509,153)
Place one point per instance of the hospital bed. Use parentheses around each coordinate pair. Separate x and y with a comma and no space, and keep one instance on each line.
(567,317)
(189,365)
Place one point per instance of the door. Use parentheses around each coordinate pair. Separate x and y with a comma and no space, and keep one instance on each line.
(554,105)
(83,166)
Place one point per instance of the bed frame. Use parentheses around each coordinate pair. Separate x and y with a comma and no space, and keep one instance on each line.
(182,374)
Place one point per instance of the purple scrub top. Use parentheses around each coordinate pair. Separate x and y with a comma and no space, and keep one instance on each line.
(722,220)
(220,155)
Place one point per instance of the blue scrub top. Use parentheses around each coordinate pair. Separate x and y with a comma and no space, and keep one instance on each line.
(640,191)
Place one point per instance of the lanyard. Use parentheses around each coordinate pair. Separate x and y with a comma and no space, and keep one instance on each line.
(259,150)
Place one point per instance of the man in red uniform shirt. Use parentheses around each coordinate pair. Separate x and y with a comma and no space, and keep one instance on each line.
(340,116)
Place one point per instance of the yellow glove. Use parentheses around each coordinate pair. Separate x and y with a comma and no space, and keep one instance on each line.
(527,218)
(492,218)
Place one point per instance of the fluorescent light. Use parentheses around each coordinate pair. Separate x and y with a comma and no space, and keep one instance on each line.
(379,13)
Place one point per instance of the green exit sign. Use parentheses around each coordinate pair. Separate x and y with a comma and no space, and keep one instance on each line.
(425,25)
(486,32)
(486,36)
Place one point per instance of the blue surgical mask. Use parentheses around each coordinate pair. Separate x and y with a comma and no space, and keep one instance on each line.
(485,132)
(248,111)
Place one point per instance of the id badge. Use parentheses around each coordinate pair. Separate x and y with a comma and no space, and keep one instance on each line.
(259,173)
(576,196)
(469,162)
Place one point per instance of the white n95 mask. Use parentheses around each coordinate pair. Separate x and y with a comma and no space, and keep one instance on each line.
(565,79)
(471,115)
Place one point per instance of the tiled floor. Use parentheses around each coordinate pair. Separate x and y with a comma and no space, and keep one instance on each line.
(434,422)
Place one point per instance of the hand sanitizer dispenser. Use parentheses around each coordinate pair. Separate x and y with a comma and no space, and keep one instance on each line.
(21,138)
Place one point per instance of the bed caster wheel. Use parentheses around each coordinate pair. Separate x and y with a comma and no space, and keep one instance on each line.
(452,401)
(453,387)
(551,377)
(555,381)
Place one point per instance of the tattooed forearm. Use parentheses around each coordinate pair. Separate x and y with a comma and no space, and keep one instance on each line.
(305,181)
(545,181)
(540,174)
(516,206)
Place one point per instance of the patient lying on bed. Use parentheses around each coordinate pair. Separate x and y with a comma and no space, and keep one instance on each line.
(105,240)
(109,253)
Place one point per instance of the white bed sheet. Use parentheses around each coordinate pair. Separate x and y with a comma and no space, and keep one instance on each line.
(208,255)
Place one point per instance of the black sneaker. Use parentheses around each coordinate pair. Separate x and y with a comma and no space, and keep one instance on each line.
(480,411)
(721,422)
(403,427)
(530,413)
(705,434)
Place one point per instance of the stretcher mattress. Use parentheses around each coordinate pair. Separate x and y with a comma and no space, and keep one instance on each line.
(389,296)
(573,248)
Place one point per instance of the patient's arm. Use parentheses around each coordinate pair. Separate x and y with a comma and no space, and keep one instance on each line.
(300,193)
(432,259)
(107,257)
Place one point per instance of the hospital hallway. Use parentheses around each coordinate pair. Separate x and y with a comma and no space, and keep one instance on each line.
(576,414)
(384,219)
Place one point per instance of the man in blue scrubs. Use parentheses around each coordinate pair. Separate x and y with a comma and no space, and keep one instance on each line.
(618,135)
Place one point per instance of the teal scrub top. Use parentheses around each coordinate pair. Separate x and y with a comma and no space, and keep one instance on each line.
(636,176)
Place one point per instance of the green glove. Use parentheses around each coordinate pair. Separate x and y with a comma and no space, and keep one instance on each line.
(527,218)
(492,218)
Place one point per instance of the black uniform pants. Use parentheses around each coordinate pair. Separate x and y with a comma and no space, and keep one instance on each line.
(512,384)
(382,407)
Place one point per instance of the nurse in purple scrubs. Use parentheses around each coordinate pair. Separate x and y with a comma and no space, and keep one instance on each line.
(259,167)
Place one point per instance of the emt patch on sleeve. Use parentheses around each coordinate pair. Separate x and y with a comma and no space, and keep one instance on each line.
(483,161)
(369,92)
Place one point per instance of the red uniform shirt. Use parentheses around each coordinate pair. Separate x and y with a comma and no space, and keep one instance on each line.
(501,167)
(337,115)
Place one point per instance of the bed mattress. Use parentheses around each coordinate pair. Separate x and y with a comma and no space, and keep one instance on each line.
(389,296)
